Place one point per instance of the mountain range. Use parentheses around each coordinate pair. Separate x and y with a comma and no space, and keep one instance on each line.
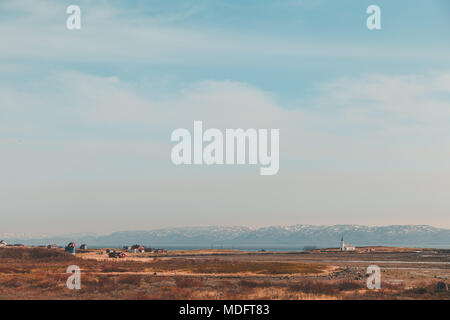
(282,237)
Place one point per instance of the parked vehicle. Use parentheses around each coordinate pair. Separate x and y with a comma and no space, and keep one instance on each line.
(114,254)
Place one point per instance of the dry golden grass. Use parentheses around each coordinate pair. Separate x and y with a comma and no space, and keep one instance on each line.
(37,273)
(215,266)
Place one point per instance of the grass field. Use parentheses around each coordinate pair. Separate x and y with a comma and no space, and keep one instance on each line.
(39,273)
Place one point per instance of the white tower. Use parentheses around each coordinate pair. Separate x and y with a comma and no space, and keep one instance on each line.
(342,244)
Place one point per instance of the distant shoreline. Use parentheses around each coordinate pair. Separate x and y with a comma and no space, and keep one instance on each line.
(250,248)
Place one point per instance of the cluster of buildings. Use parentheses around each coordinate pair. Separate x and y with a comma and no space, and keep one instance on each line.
(4,244)
(134,248)
(137,248)
(141,249)
(71,247)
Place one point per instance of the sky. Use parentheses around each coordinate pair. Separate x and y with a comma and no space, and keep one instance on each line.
(86,115)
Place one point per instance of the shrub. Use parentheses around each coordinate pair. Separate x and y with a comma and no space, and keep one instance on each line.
(348,285)
(35,254)
(130,279)
(248,284)
(313,287)
(12,283)
(183,282)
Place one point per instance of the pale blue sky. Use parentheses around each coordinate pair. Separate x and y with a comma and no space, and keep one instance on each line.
(86,116)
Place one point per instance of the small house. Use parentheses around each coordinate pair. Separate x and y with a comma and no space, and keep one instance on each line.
(70,248)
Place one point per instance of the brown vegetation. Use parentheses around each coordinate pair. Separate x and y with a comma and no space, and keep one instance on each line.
(216,266)
(38,273)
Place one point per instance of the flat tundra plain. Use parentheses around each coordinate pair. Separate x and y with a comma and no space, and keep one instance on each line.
(406,273)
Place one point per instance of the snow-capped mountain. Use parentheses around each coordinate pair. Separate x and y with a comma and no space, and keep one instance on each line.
(296,236)
(21,235)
